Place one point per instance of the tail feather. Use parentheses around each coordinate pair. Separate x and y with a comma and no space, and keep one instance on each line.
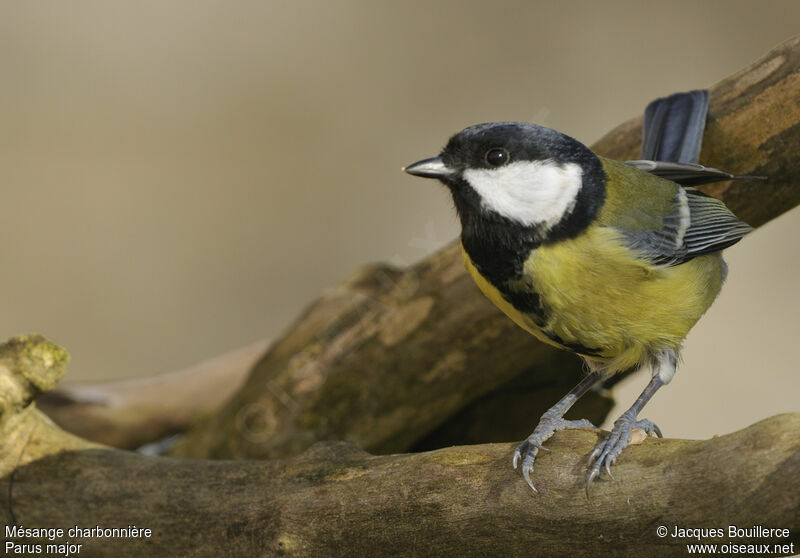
(673,127)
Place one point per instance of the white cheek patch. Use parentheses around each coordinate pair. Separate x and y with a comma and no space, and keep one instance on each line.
(528,192)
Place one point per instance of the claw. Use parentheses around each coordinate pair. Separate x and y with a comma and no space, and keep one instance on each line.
(606,452)
(552,421)
(535,442)
(657,430)
(592,475)
(649,427)
(526,474)
(595,454)
(527,468)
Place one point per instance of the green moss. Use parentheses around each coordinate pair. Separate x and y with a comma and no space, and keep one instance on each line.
(451,457)
(36,359)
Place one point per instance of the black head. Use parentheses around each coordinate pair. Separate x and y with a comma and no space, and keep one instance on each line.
(519,175)
(495,144)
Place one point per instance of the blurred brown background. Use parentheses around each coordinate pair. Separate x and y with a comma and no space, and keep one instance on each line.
(181,178)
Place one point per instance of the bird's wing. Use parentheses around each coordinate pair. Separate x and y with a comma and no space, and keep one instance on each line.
(712,226)
(699,224)
(670,222)
(667,223)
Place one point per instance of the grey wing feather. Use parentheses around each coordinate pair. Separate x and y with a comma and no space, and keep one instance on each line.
(673,127)
(699,225)
(688,174)
(713,227)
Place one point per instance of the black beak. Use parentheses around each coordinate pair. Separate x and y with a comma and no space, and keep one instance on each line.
(429,168)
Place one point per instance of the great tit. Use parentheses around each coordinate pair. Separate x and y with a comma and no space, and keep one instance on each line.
(614,261)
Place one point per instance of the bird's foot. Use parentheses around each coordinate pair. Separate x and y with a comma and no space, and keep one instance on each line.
(606,452)
(549,424)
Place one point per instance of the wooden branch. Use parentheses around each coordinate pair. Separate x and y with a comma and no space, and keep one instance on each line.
(380,361)
(338,500)
(129,413)
(386,358)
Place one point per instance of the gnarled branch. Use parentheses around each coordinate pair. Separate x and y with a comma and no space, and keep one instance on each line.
(335,499)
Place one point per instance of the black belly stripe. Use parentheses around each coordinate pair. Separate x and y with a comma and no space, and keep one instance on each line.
(505,268)
(528,302)
(498,249)
(575,347)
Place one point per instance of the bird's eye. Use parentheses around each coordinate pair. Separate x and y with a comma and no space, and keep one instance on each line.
(497,157)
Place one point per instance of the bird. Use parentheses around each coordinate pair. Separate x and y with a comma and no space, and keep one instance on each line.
(613,260)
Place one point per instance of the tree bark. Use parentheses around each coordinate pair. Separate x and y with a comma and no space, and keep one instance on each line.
(337,500)
(398,359)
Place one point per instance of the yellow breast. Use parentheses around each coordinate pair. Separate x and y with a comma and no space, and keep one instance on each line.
(596,294)
(493,294)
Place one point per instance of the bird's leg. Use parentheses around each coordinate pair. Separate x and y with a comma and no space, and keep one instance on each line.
(552,421)
(607,451)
